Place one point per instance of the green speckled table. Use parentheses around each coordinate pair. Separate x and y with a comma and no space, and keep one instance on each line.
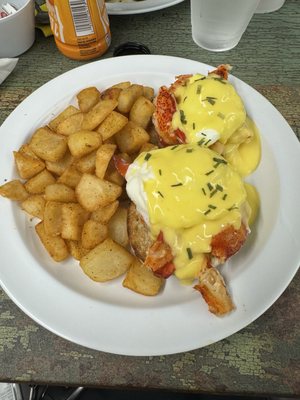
(263,358)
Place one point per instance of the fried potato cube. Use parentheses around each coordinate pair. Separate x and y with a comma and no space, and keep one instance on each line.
(112,175)
(111,93)
(27,166)
(76,250)
(73,219)
(117,227)
(148,92)
(48,145)
(34,205)
(141,112)
(53,218)
(25,149)
(55,245)
(103,157)
(83,142)
(128,96)
(70,177)
(87,164)
(67,112)
(104,214)
(87,98)
(141,280)
(98,113)
(148,147)
(93,233)
(71,124)
(112,124)
(14,190)
(39,182)
(106,261)
(60,192)
(122,85)
(58,167)
(131,138)
(93,192)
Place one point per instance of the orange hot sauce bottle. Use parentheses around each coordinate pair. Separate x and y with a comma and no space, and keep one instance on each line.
(80,27)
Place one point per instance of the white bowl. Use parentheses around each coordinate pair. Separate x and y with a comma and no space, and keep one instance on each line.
(17,31)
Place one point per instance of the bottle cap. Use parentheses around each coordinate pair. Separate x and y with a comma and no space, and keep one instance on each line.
(130,48)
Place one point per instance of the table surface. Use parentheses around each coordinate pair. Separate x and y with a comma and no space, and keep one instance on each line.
(264,357)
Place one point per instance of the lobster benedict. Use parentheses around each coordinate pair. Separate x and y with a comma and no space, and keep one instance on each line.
(189,213)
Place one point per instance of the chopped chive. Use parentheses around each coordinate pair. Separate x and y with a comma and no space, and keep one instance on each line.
(219,187)
(212,206)
(200,143)
(211,100)
(200,79)
(207,211)
(206,143)
(159,171)
(189,150)
(219,161)
(221,115)
(177,184)
(221,80)
(213,193)
(182,117)
(185,99)
(203,134)
(224,197)
(209,172)
(210,186)
(199,88)
(194,125)
(174,147)
(147,156)
(189,252)
(204,192)
(234,207)
(161,195)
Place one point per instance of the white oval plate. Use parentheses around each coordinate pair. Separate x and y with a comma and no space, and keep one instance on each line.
(139,7)
(109,317)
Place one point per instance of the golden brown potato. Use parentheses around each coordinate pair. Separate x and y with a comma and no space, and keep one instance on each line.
(48,145)
(141,112)
(111,94)
(93,233)
(148,147)
(27,166)
(70,177)
(112,124)
(83,142)
(128,96)
(76,250)
(98,113)
(117,227)
(73,219)
(55,245)
(34,205)
(104,214)
(112,175)
(131,138)
(148,92)
(67,112)
(39,182)
(106,261)
(87,98)
(60,192)
(14,190)
(103,156)
(58,167)
(141,279)
(87,164)
(25,149)
(53,218)
(93,192)
(122,85)
(70,125)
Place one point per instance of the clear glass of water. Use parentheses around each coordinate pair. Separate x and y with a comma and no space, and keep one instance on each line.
(218,25)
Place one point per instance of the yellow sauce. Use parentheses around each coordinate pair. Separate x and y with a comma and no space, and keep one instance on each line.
(208,103)
(192,195)
(253,201)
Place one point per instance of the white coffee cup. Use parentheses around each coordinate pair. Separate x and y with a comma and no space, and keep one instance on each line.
(17,31)
(218,25)
(266,6)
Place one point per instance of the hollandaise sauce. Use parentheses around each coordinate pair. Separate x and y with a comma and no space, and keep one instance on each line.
(190,194)
(208,109)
